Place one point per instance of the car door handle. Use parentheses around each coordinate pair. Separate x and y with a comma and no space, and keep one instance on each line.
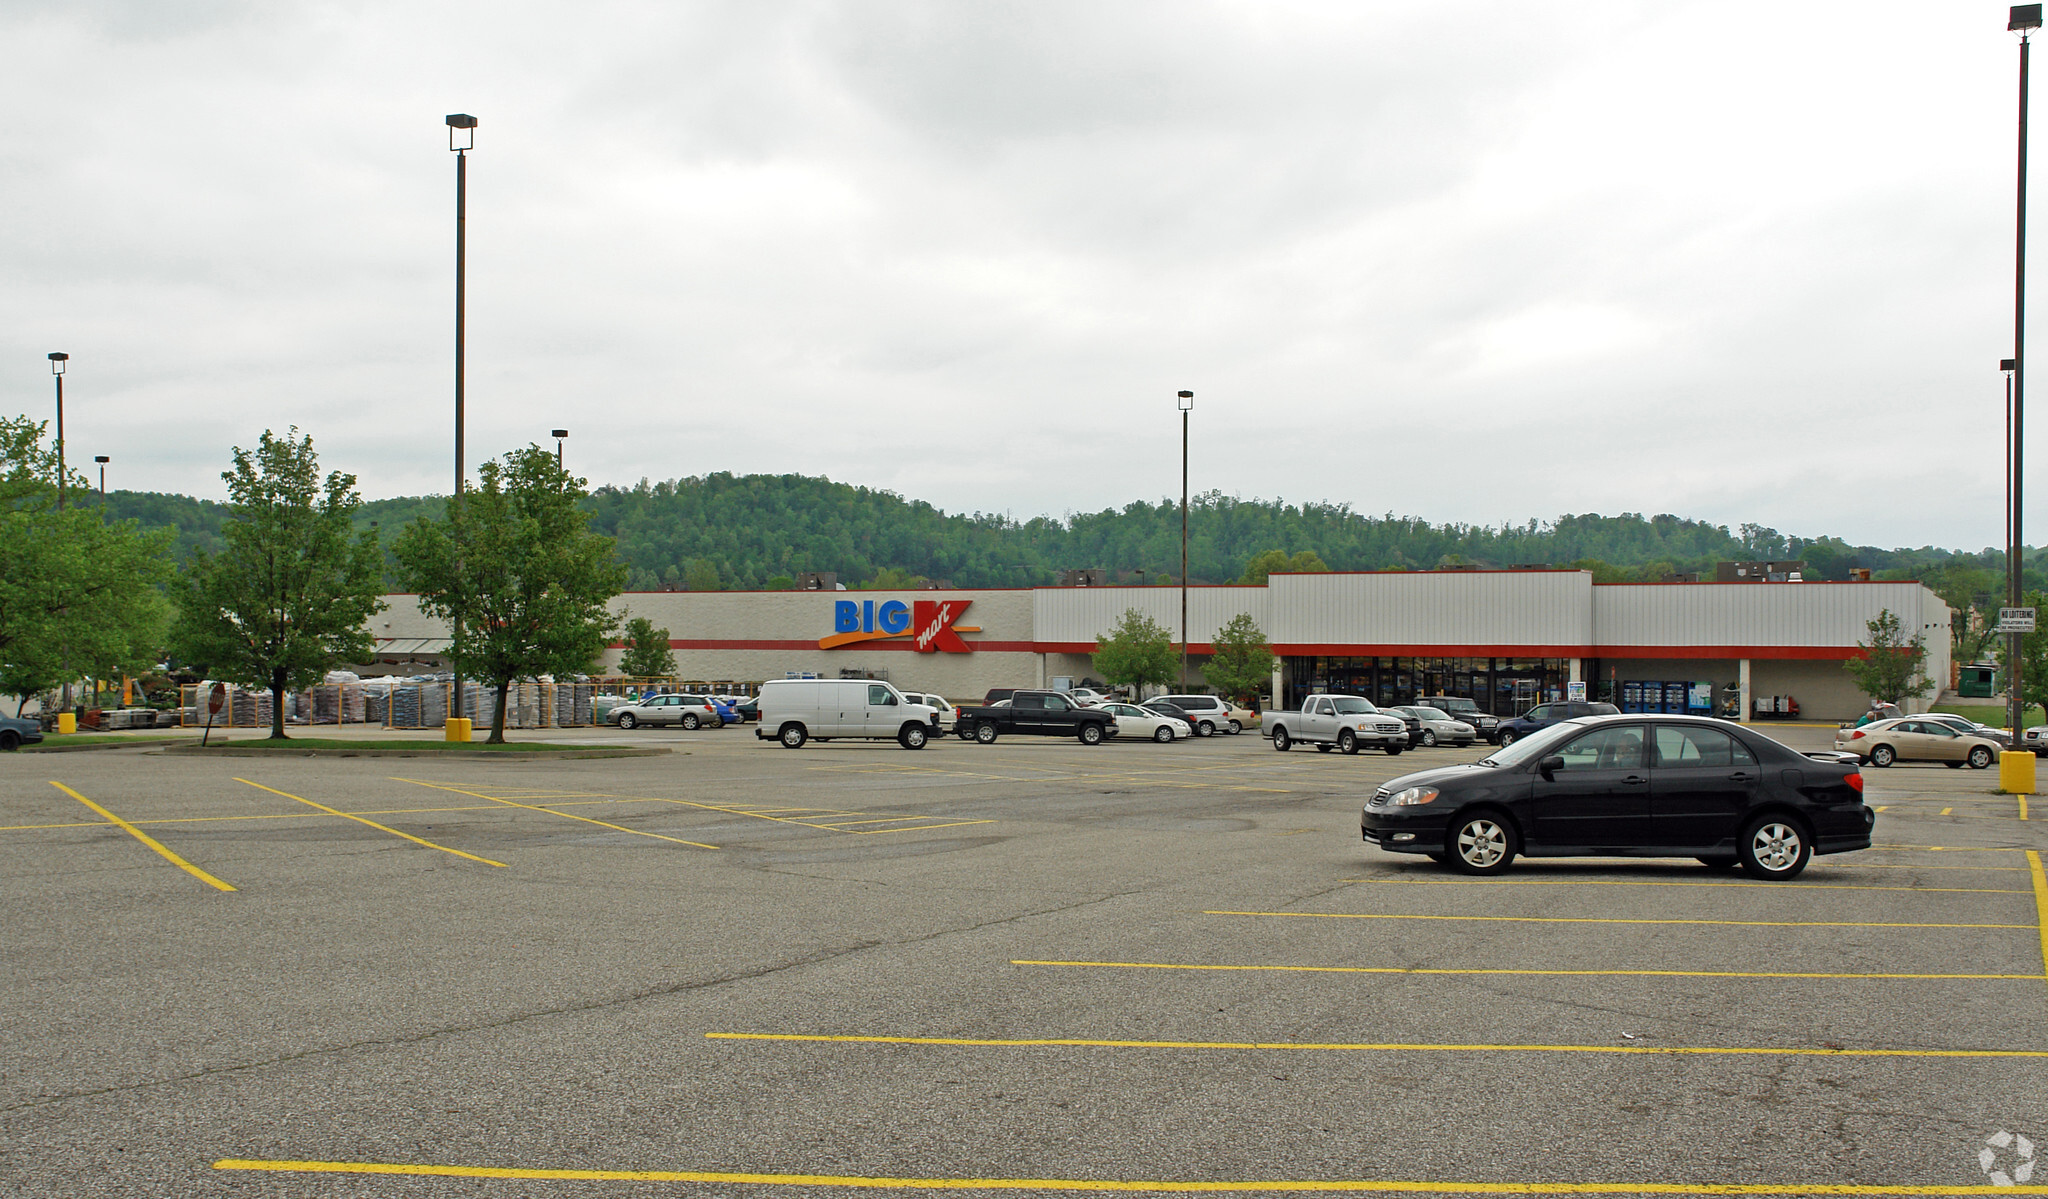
(1634,778)
(1740,776)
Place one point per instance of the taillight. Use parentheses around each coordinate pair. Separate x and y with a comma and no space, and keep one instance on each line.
(1856,735)
(1855,781)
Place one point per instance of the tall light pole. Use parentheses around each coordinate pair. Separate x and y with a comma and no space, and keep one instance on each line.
(102,459)
(2024,19)
(1187,403)
(560,435)
(461,139)
(57,362)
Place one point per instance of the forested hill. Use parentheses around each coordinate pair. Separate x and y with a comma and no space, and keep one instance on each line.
(752,531)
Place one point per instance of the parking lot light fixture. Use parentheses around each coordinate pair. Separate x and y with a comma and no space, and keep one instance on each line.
(57,361)
(102,459)
(1187,404)
(2023,19)
(560,435)
(461,139)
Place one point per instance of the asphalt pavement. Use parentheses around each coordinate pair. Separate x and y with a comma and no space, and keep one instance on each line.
(1033,967)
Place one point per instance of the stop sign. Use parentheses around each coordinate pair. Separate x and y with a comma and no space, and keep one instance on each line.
(216,698)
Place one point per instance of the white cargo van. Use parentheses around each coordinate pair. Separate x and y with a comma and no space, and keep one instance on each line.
(794,711)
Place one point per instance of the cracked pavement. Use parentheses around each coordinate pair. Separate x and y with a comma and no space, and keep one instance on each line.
(360,998)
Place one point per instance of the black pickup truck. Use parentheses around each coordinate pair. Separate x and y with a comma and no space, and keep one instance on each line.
(1036,713)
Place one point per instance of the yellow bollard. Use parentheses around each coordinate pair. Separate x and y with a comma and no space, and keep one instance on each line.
(67,723)
(458,728)
(2016,772)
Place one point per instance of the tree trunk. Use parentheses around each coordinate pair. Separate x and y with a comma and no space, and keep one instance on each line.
(498,717)
(277,705)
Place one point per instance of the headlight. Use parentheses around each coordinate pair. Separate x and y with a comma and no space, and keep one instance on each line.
(1411,797)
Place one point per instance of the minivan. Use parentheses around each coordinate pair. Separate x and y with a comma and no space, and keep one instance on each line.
(794,711)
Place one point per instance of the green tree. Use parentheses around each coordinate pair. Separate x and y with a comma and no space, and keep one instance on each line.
(1890,668)
(1243,660)
(647,653)
(77,593)
(701,574)
(514,566)
(1138,651)
(892,578)
(1277,562)
(290,594)
(779,583)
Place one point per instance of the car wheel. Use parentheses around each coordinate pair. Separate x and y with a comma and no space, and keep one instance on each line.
(1718,862)
(985,733)
(1883,755)
(1507,738)
(690,721)
(1980,758)
(1235,728)
(1163,733)
(793,736)
(1205,729)
(1429,738)
(1347,742)
(1091,734)
(1774,848)
(628,721)
(912,736)
(1281,741)
(1483,843)
(9,741)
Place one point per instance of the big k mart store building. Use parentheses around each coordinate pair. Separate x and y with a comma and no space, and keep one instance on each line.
(1504,638)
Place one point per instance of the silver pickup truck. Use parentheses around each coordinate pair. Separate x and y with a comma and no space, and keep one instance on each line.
(1341,722)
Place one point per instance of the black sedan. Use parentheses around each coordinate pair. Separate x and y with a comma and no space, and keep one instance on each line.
(1640,786)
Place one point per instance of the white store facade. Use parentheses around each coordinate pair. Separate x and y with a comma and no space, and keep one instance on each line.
(1506,639)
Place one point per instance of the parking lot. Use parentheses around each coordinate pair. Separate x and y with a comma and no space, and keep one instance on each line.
(1033,966)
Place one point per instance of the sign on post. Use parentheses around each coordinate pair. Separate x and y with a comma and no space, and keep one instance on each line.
(215,700)
(1575,692)
(2015,620)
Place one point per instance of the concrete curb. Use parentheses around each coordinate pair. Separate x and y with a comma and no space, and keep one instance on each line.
(513,755)
(46,748)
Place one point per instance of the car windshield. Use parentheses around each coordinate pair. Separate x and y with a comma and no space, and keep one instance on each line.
(1430,713)
(1351,705)
(1533,746)
(1459,705)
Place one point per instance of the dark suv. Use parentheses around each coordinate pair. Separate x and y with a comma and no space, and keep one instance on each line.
(1542,716)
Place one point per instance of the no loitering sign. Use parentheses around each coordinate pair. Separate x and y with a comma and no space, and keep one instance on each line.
(2015,620)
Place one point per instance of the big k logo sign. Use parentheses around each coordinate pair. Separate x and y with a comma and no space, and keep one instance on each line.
(928,623)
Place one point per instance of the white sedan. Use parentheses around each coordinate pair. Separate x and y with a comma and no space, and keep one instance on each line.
(1134,721)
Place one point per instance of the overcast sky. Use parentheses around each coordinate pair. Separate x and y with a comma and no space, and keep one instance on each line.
(1736,261)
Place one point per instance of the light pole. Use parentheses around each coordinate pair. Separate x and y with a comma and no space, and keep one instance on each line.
(57,362)
(1187,403)
(461,139)
(2024,19)
(102,459)
(560,435)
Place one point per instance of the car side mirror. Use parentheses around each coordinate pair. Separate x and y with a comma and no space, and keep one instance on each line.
(1552,763)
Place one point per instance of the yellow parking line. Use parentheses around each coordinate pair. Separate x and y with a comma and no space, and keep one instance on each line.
(1954,848)
(916,828)
(373,824)
(2023,807)
(1325,1185)
(146,839)
(1539,973)
(1616,920)
(2040,902)
(1744,884)
(1368,1047)
(564,815)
